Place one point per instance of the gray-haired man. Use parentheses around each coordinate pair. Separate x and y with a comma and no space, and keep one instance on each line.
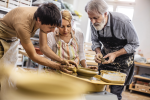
(118,36)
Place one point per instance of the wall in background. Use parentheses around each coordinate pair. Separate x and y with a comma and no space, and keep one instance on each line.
(79,5)
(141,21)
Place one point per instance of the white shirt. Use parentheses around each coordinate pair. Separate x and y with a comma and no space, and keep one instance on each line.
(80,41)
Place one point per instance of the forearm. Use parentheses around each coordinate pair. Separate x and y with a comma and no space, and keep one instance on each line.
(49,53)
(46,50)
(120,52)
(43,61)
(83,63)
(98,50)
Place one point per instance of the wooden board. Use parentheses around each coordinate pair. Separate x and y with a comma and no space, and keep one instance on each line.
(23,52)
(142,64)
(92,81)
(140,77)
(138,90)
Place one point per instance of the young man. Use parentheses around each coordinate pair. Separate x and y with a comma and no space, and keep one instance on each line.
(22,22)
(118,36)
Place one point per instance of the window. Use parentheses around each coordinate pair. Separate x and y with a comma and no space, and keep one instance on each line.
(126,10)
(110,8)
(122,6)
(121,0)
(127,0)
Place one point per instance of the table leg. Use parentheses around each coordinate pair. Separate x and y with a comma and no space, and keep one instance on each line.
(107,88)
(40,68)
(28,63)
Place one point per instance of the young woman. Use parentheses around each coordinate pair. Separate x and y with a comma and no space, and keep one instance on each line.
(66,42)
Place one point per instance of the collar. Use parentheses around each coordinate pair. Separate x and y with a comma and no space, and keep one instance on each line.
(108,22)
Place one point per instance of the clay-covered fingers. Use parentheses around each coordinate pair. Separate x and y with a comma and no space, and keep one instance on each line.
(97,61)
(65,62)
(64,66)
(98,56)
(73,63)
(108,62)
(66,71)
(111,57)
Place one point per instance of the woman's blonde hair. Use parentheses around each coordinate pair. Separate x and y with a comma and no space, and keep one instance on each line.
(66,14)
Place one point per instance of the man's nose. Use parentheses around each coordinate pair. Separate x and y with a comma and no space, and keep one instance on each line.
(93,21)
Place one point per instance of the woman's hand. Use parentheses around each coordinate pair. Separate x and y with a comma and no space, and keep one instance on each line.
(69,62)
(64,69)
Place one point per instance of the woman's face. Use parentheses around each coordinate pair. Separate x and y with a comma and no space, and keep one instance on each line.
(65,29)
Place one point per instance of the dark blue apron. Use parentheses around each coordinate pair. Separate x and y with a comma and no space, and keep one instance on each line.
(123,63)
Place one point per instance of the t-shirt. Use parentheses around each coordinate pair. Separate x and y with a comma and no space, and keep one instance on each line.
(22,21)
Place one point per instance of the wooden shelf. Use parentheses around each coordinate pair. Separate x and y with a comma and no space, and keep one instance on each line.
(23,52)
(140,77)
(142,64)
(138,90)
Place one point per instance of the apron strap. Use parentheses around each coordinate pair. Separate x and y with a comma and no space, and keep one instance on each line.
(111,23)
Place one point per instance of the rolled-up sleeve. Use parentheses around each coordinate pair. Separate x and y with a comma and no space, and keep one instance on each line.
(94,39)
(132,38)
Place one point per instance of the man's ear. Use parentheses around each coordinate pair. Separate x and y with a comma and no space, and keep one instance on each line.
(38,20)
(105,14)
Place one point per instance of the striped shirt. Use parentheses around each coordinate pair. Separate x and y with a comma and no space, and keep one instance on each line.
(80,41)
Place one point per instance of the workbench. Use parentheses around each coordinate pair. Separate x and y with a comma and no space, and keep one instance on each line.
(94,96)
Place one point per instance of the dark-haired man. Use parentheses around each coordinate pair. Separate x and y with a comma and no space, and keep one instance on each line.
(22,22)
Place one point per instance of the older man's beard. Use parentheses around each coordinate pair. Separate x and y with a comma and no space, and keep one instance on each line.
(99,26)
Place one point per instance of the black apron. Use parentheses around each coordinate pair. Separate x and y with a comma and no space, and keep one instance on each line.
(123,63)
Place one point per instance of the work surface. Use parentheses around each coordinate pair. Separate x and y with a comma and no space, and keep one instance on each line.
(104,95)
(29,94)
(142,64)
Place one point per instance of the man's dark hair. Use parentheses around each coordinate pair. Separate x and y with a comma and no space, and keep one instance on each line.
(49,14)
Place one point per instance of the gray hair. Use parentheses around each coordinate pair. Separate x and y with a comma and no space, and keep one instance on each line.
(99,6)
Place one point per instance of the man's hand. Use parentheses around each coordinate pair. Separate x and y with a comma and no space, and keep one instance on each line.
(111,56)
(98,58)
(69,62)
(64,69)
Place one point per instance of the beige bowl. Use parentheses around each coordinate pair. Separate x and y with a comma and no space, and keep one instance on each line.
(86,72)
